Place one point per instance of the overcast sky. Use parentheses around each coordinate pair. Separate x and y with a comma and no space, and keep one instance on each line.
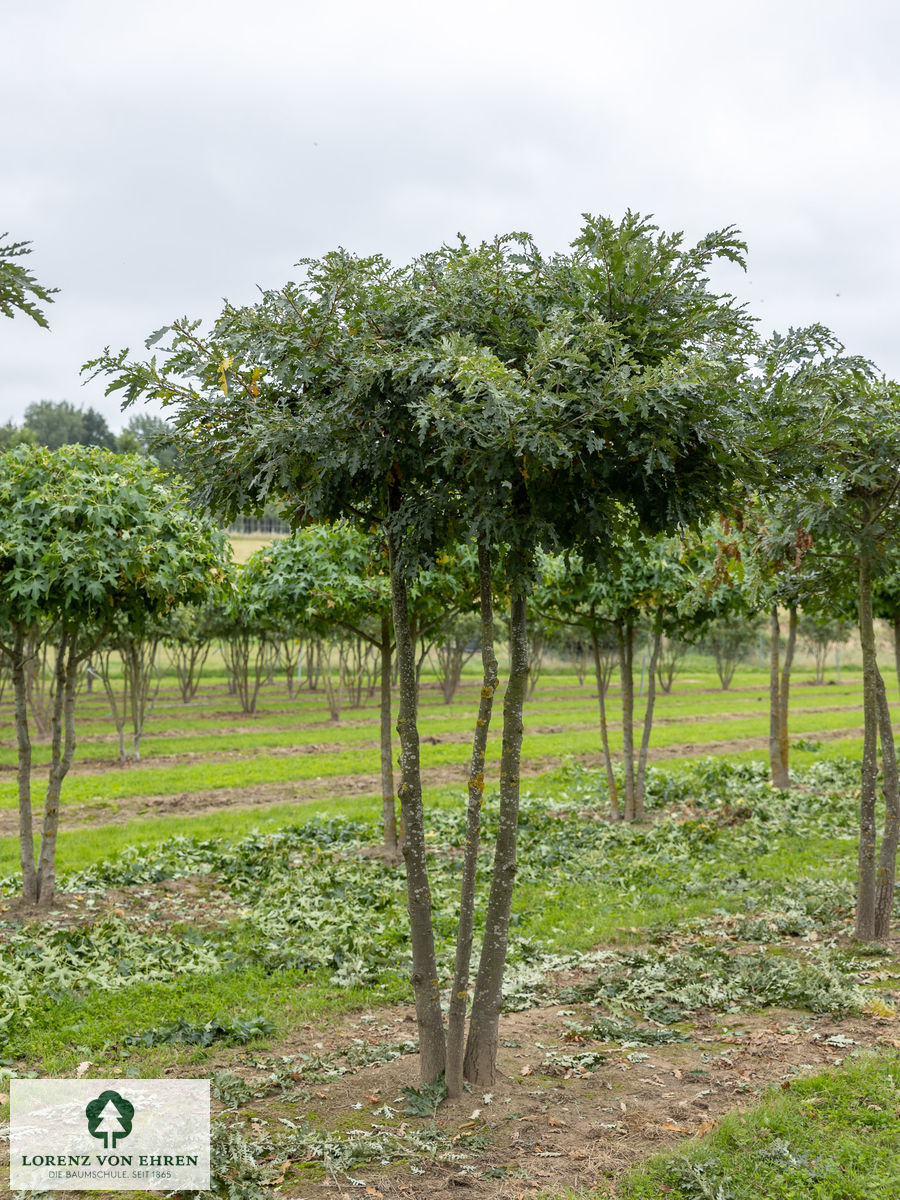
(163,155)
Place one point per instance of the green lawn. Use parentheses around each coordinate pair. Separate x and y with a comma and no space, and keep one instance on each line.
(832,1136)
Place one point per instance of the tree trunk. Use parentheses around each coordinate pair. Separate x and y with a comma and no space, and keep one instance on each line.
(432,1045)
(23,740)
(62,750)
(777,764)
(865,896)
(625,635)
(602,684)
(784,747)
(648,725)
(459,995)
(388,811)
(887,858)
(480,1065)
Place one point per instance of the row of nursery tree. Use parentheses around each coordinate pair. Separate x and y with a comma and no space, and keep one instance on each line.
(599,432)
(315,609)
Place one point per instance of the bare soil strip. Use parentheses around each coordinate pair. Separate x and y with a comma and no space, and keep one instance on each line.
(126,808)
(553,1127)
(104,739)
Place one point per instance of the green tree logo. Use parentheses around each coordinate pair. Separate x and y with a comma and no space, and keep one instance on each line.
(109,1116)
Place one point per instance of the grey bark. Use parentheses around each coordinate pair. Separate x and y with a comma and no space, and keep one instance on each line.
(537,645)
(245,659)
(887,857)
(777,767)
(784,746)
(648,726)
(432,1044)
(480,1065)
(625,635)
(671,653)
(62,750)
(388,810)
(189,659)
(456,1021)
(603,675)
(23,741)
(865,898)
(779,697)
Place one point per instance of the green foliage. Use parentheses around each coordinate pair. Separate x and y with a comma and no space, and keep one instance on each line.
(639,579)
(666,987)
(489,386)
(87,534)
(624,1033)
(19,290)
(107,956)
(321,576)
(220,1029)
(424,1101)
(831,1136)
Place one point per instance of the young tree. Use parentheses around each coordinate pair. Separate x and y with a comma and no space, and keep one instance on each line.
(798,380)
(488,392)
(728,638)
(820,630)
(641,581)
(188,633)
(333,577)
(84,535)
(848,504)
(132,645)
(454,645)
(247,630)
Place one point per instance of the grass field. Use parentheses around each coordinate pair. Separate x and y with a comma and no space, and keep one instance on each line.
(660,977)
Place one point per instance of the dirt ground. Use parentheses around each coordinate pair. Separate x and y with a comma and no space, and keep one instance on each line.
(547,1125)
(544,1126)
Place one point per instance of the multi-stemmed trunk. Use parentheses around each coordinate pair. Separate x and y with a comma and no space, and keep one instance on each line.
(480,1063)
(648,725)
(23,740)
(245,658)
(602,673)
(887,855)
(456,1020)
(635,772)
(140,686)
(39,880)
(62,750)
(432,1045)
(779,695)
(875,889)
(452,655)
(388,810)
(671,652)
(189,658)
(625,636)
